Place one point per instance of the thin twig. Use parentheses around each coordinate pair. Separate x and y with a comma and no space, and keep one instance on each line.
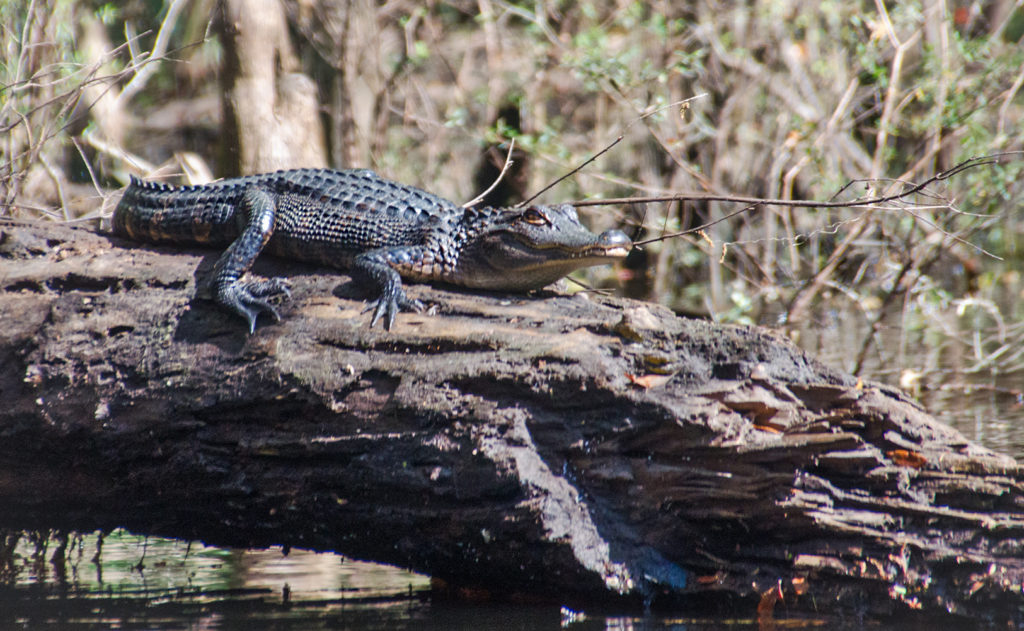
(88,167)
(801,301)
(928,222)
(698,228)
(889,105)
(57,180)
(163,37)
(1008,98)
(802,203)
(887,23)
(73,91)
(683,103)
(23,47)
(504,169)
(135,161)
(588,289)
(880,314)
(570,173)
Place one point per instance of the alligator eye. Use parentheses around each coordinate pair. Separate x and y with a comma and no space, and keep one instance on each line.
(534,216)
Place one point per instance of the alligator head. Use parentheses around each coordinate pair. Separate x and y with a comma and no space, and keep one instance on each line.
(529,248)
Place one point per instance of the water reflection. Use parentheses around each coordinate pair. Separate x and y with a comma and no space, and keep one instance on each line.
(968,372)
(161,584)
(52,580)
(121,562)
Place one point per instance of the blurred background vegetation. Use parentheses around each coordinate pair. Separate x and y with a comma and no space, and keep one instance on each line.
(794,100)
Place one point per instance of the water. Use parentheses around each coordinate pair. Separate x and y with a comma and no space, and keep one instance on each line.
(152,583)
(967,372)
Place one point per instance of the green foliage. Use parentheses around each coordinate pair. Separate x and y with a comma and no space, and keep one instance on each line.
(108,13)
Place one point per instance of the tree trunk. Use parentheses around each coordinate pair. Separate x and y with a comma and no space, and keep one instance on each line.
(272,118)
(579,447)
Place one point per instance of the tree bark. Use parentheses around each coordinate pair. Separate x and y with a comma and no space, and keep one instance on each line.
(576,447)
(272,118)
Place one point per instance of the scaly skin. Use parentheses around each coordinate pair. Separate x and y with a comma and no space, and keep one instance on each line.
(356,220)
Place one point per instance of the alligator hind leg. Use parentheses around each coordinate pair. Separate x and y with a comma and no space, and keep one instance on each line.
(248,298)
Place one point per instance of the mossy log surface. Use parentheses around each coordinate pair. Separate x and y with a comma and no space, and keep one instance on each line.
(579,447)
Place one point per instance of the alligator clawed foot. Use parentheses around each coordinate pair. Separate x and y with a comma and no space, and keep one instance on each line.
(388,306)
(250,298)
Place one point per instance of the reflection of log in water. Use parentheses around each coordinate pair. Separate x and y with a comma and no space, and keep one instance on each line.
(576,446)
(95,563)
(171,584)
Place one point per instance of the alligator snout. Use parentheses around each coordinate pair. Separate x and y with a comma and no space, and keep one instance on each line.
(615,240)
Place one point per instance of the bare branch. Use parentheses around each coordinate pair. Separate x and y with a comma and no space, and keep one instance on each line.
(504,169)
(803,203)
(144,69)
(570,173)
(699,228)
(683,105)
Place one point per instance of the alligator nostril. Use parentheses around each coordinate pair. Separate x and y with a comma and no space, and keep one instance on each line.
(614,238)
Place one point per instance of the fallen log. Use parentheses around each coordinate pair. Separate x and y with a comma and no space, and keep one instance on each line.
(576,447)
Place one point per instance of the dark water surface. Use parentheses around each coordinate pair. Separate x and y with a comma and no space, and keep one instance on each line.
(161,584)
(969,377)
(152,583)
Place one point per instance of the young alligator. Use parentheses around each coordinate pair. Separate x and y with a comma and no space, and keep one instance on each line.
(354,219)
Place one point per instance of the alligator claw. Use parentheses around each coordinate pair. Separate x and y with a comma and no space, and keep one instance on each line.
(250,298)
(388,306)
(266,287)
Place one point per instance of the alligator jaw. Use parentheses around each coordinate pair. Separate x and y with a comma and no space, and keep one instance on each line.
(511,260)
(612,245)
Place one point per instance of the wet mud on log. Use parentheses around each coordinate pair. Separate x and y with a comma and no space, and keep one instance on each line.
(574,445)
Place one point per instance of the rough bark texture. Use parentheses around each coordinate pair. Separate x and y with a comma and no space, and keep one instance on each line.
(581,447)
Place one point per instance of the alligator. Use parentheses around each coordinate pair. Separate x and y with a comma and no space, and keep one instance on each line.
(379,230)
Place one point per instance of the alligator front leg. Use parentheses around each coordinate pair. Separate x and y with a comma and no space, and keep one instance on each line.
(248,298)
(378,268)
